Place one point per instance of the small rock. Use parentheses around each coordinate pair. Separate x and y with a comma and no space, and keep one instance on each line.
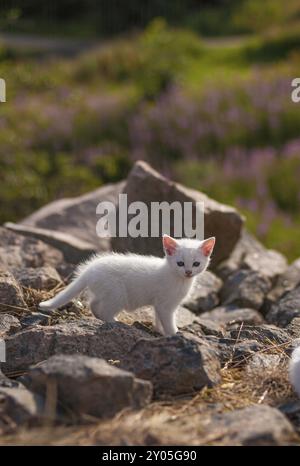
(247,244)
(18,406)
(86,336)
(175,365)
(292,411)
(66,271)
(287,281)
(294,328)
(204,295)
(10,293)
(265,334)
(35,318)
(256,425)
(206,327)
(236,352)
(5,382)
(40,278)
(98,389)
(261,363)
(268,263)
(246,289)
(8,325)
(232,315)
(285,309)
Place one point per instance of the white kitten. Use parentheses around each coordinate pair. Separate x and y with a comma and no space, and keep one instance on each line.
(294,369)
(119,282)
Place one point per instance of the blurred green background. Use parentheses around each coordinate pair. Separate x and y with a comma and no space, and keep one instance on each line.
(200,89)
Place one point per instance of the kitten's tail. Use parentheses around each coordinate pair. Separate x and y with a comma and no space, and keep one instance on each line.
(66,295)
(294,370)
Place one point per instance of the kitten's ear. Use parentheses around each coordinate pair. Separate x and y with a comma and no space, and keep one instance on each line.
(169,244)
(207,246)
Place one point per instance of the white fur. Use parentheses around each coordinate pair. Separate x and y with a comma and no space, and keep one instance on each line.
(119,282)
(294,370)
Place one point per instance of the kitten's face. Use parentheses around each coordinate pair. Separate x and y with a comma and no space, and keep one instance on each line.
(188,257)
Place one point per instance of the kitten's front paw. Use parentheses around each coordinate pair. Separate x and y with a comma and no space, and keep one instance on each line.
(46,306)
(170,333)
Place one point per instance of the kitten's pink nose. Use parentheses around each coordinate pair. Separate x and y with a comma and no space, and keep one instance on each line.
(188,273)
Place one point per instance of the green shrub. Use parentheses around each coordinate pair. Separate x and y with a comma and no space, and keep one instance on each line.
(274,46)
(153,61)
(283,181)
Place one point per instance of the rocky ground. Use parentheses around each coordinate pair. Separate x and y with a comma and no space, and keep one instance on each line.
(71,379)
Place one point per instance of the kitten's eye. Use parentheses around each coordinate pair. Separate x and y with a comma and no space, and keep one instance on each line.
(180,264)
(196,264)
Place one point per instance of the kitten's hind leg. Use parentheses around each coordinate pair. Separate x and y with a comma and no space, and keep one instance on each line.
(168,321)
(157,324)
(100,312)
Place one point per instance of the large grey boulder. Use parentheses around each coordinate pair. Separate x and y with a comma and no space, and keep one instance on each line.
(87,336)
(147,185)
(88,385)
(76,216)
(175,365)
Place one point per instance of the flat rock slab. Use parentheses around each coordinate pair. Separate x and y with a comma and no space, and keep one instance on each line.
(76,216)
(144,184)
(229,315)
(18,251)
(73,249)
(255,425)
(205,293)
(175,365)
(91,337)
(184,317)
(88,385)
